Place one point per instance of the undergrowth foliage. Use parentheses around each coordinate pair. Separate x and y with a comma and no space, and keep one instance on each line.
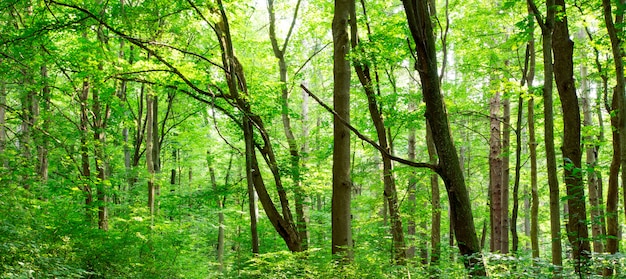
(46,237)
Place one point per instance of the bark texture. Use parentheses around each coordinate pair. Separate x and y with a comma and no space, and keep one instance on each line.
(342,183)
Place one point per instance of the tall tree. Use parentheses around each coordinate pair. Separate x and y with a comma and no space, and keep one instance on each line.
(532,141)
(496,173)
(618,124)
(420,25)
(342,182)
(547,27)
(563,49)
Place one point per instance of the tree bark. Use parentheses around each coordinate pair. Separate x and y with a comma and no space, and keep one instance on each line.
(420,25)
(547,27)
(496,175)
(578,234)
(342,183)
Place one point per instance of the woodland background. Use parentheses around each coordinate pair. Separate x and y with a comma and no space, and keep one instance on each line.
(208,139)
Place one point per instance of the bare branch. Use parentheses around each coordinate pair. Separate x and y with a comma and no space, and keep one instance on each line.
(435,168)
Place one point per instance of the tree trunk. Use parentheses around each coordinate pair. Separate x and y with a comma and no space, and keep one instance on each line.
(28,115)
(532,143)
(99,126)
(390,191)
(235,78)
(547,28)
(419,20)
(410,251)
(42,147)
(578,233)
(495,175)
(435,225)
(593,176)
(295,170)
(618,124)
(84,148)
(220,213)
(150,160)
(504,155)
(342,183)
(518,167)
(3,134)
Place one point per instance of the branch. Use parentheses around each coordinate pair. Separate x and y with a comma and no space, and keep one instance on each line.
(435,168)
(533,7)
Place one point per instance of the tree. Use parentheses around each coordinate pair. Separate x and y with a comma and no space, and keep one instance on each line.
(418,17)
(577,231)
(496,174)
(547,27)
(279,52)
(363,72)
(342,184)
(618,124)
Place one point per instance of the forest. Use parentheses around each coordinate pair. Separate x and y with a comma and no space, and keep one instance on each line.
(312,139)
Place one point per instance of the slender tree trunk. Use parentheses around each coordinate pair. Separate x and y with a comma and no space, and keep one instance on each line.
(249,140)
(518,167)
(410,252)
(279,53)
(220,207)
(99,125)
(618,124)
(28,101)
(593,179)
(435,225)
(3,134)
(495,175)
(42,147)
(150,160)
(578,234)
(506,147)
(84,149)
(390,191)
(420,25)
(342,183)
(547,28)
(532,143)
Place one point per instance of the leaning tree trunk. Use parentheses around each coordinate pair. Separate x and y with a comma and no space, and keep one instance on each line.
(295,169)
(420,25)
(390,192)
